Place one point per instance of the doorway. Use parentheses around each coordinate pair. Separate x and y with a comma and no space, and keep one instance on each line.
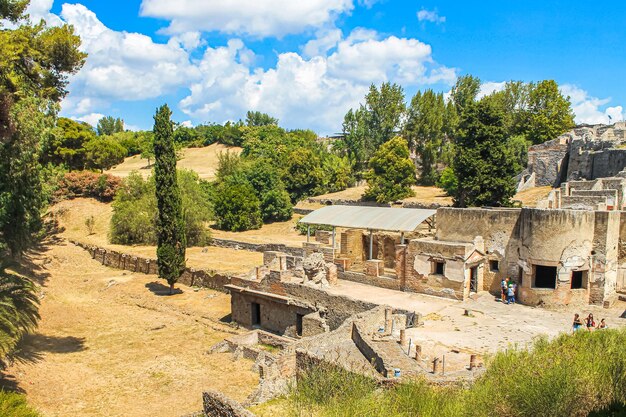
(474,279)
(256,314)
(299,318)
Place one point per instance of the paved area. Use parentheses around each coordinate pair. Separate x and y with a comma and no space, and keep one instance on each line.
(492,326)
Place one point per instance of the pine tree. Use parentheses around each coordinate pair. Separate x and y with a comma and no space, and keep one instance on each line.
(171,240)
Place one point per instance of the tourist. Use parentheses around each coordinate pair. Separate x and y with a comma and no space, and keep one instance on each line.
(590,323)
(503,289)
(602,325)
(510,294)
(578,323)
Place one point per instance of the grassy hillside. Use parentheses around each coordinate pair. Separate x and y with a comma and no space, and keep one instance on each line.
(204,161)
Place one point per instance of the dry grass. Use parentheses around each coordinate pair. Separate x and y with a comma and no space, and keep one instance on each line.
(203,161)
(279,232)
(532,196)
(107,345)
(426,195)
(73,213)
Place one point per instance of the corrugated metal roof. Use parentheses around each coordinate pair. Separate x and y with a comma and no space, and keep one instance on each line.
(373,218)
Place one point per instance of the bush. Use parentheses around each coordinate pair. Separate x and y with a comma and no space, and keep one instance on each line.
(135,210)
(87,184)
(237,207)
(448,181)
(15,405)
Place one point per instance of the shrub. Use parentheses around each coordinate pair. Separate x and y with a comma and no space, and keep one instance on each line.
(87,184)
(448,181)
(15,405)
(135,210)
(236,207)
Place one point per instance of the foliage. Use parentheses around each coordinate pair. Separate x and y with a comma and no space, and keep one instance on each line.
(103,153)
(549,113)
(464,92)
(448,181)
(66,143)
(19,307)
(373,124)
(268,191)
(90,224)
(303,228)
(256,118)
(563,377)
(109,125)
(237,207)
(102,187)
(484,164)
(424,130)
(22,196)
(391,173)
(15,405)
(170,226)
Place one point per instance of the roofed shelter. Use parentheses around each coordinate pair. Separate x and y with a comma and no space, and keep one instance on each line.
(388,219)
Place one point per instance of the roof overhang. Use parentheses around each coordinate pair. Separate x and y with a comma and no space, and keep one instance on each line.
(369,218)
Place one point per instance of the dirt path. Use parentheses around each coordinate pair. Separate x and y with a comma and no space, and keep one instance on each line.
(109,344)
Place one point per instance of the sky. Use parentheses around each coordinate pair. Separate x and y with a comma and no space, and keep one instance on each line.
(307,62)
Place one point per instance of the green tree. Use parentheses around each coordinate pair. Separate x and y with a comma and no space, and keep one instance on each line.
(146,144)
(237,207)
(109,125)
(66,143)
(549,112)
(256,118)
(448,181)
(464,92)
(171,240)
(484,163)
(103,153)
(424,130)
(391,173)
(21,194)
(385,108)
(354,138)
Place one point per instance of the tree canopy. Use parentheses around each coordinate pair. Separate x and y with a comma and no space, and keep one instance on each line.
(391,173)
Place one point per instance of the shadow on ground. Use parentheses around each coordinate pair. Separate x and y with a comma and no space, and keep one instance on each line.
(159,289)
(32,349)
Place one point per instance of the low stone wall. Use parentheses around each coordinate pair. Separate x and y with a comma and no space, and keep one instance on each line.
(345,202)
(219,405)
(256,247)
(381,281)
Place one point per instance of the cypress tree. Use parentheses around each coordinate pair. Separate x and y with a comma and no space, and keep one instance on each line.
(171,240)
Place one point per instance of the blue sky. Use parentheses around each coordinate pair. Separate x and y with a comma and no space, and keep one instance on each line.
(308,62)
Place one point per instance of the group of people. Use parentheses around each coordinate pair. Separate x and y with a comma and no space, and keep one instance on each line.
(589,323)
(508,288)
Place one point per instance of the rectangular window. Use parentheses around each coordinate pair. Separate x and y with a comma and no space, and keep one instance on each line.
(578,279)
(494,266)
(545,276)
(438,267)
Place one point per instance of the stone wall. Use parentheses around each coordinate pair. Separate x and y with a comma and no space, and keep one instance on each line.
(256,247)
(216,404)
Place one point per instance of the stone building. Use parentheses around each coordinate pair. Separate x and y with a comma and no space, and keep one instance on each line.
(587,152)
(556,256)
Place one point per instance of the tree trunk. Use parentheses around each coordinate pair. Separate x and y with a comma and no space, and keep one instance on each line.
(172,288)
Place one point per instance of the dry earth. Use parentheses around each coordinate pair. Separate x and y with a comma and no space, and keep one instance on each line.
(72,214)
(110,344)
(202,160)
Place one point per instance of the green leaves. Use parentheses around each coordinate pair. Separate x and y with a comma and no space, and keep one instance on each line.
(171,239)
(391,173)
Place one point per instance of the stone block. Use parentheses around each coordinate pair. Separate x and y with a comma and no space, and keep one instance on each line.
(374,267)
(343,264)
(323,236)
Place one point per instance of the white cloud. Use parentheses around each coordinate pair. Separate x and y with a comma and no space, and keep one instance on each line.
(430,16)
(325,39)
(123,65)
(490,87)
(314,92)
(589,109)
(261,18)
(91,118)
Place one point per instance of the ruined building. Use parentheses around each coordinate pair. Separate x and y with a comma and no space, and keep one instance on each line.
(587,152)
